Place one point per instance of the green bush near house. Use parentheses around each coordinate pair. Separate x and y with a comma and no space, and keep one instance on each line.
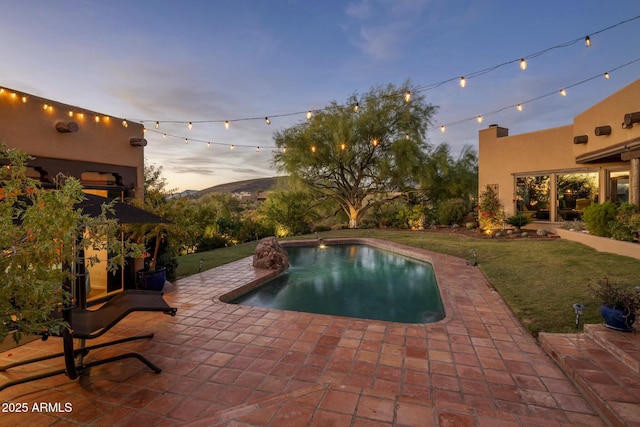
(519,220)
(451,211)
(598,218)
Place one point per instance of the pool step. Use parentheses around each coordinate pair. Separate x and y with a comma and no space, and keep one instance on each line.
(603,364)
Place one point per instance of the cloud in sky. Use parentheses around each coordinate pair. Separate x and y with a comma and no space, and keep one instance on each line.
(214,61)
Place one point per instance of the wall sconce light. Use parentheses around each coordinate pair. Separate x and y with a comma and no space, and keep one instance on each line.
(580,139)
(579,309)
(138,142)
(69,127)
(603,130)
(630,119)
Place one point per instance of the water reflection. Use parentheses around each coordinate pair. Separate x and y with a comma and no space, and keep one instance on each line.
(355,281)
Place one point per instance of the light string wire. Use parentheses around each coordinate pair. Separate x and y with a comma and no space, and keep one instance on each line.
(422,88)
(445,125)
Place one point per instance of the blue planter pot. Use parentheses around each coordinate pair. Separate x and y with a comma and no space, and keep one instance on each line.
(620,320)
(151,280)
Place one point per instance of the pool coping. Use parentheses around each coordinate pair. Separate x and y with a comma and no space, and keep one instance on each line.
(396,248)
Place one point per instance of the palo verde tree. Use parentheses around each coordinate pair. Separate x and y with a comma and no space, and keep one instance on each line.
(361,154)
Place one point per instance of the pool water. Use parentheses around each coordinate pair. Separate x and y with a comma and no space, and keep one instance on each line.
(354,281)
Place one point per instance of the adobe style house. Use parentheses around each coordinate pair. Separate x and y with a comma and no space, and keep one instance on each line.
(551,175)
(105,153)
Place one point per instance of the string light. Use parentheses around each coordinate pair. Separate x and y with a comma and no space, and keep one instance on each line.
(343,146)
(313,148)
(463,81)
(190,125)
(309,115)
(407,96)
(479,119)
(24,99)
(356,107)
(186,140)
(607,76)
(267,121)
(442,128)
(563,92)
(523,64)
(587,41)
(519,107)
(97,119)
(208,145)
(164,136)
(157,125)
(71,114)
(257,149)
(374,141)
(124,122)
(226,124)
(232,147)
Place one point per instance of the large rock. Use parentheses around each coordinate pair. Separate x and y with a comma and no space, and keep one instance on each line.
(270,254)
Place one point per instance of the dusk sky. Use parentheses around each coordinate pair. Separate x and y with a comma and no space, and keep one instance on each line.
(210,61)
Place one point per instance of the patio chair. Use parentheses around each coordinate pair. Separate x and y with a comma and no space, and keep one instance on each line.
(89,324)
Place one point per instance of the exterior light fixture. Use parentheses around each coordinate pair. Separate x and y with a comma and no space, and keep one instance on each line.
(479,118)
(313,148)
(563,92)
(186,140)
(407,96)
(463,81)
(226,124)
(587,41)
(607,76)
(309,115)
(267,121)
(356,107)
(190,125)
(343,146)
(157,125)
(578,309)
(67,127)
(232,147)
(374,142)
(519,107)
(257,149)
(443,128)
(580,139)
(124,122)
(631,118)
(70,113)
(523,64)
(603,130)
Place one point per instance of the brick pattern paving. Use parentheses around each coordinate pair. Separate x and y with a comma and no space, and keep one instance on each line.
(225,364)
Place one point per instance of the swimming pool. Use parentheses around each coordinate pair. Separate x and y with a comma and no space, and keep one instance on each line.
(352,280)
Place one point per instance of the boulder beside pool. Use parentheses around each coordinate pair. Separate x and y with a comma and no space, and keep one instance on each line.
(271,255)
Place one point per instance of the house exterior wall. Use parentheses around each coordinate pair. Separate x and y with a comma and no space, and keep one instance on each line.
(503,157)
(97,146)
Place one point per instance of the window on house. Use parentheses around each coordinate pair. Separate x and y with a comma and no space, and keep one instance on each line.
(619,187)
(533,195)
(576,191)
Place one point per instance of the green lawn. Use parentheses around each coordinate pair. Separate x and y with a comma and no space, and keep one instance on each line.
(540,279)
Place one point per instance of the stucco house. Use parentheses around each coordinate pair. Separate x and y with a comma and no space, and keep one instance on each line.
(551,175)
(105,153)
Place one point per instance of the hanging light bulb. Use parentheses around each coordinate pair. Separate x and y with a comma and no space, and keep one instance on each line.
(523,64)
(97,119)
(267,121)
(407,137)
(190,125)
(81,115)
(407,96)
(164,136)
(463,82)
(607,76)
(479,119)
(24,99)
(284,149)
(587,41)
(232,147)
(519,107)
(343,146)
(208,145)
(45,107)
(442,128)
(257,149)
(356,107)
(309,115)
(124,122)
(313,148)
(374,142)
(563,92)
(186,140)
(157,125)
(226,124)
(71,115)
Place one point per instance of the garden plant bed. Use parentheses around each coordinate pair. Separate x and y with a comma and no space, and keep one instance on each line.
(477,233)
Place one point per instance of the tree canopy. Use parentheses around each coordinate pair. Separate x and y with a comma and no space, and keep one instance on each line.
(363,153)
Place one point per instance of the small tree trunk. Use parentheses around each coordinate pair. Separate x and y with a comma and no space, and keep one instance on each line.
(152,264)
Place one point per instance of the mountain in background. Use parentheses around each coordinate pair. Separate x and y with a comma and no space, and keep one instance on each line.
(247,186)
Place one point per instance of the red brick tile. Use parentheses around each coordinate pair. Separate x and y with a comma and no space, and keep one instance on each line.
(410,414)
(375,408)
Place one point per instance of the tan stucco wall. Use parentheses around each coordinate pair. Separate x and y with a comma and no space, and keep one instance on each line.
(30,127)
(501,156)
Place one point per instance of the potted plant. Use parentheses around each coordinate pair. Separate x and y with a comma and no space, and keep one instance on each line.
(518,221)
(620,304)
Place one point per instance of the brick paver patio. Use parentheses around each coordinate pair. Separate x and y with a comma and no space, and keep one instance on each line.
(225,364)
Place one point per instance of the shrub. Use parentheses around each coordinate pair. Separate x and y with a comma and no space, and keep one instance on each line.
(598,218)
(490,215)
(451,212)
(519,220)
